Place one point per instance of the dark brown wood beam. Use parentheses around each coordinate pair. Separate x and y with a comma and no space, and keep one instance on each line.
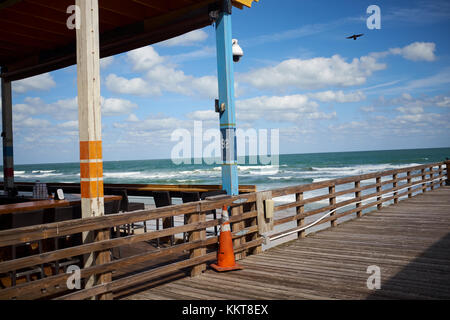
(160,5)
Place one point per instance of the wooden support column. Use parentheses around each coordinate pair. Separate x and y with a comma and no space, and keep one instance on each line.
(332,202)
(7,135)
(357,195)
(300,210)
(90,131)
(394,185)
(378,180)
(441,181)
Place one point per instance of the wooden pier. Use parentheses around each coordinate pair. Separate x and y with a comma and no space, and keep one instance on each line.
(397,220)
(410,242)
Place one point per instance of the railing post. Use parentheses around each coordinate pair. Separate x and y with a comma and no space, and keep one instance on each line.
(235,227)
(424,185)
(409,181)
(195,236)
(394,185)
(332,201)
(254,235)
(357,195)
(431,178)
(378,181)
(447,167)
(300,210)
(441,181)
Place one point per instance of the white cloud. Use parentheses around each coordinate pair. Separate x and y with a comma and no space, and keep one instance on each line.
(135,86)
(30,122)
(61,110)
(338,96)
(132,118)
(202,53)
(444,102)
(114,107)
(41,82)
(69,125)
(417,51)
(415,105)
(187,39)
(203,115)
(144,58)
(314,73)
(412,110)
(173,80)
(291,108)
(159,77)
(368,109)
(106,62)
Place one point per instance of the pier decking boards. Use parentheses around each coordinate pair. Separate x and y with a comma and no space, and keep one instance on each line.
(409,241)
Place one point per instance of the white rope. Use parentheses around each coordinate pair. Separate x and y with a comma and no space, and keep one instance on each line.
(334,210)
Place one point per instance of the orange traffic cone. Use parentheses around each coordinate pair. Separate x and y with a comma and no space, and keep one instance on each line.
(225,255)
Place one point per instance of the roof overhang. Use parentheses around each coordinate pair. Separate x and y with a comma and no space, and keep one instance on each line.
(34,37)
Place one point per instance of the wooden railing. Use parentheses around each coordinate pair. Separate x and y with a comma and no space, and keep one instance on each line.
(363,194)
(193,255)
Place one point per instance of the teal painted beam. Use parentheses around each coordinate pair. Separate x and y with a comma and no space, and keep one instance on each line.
(225,75)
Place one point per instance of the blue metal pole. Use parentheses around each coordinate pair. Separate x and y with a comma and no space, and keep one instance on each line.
(226,97)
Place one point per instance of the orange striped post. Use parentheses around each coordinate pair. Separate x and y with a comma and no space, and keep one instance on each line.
(90,131)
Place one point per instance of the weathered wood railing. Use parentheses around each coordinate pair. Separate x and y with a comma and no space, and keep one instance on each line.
(405,182)
(201,248)
(192,254)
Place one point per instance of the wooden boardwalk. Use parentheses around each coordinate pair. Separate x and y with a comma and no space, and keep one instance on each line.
(409,242)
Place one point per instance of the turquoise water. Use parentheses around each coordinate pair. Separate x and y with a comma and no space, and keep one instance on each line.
(293,169)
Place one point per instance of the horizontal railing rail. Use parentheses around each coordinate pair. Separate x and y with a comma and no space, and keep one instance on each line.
(328,202)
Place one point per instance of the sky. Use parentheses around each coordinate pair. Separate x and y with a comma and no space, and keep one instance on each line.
(389,89)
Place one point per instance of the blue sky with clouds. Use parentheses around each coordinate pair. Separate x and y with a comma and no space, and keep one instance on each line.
(387,90)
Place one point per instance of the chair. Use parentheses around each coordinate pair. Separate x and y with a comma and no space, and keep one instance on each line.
(206,194)
(163,199)
(63,214)
(196,196)
(127,206)
(25,219)
(189,197)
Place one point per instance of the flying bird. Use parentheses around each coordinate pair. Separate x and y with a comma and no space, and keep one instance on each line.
(355,36)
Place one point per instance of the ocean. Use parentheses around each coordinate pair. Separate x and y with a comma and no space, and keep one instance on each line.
(293,169)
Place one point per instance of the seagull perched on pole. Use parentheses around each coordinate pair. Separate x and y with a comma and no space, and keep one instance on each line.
(355,36)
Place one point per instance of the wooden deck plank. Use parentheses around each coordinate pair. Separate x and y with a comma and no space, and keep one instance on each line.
(410,242)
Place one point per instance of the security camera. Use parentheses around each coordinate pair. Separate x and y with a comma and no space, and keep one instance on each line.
(237,51)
